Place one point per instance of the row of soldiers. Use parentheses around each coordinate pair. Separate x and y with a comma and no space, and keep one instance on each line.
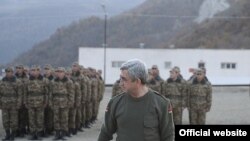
(195,94)
(61,101)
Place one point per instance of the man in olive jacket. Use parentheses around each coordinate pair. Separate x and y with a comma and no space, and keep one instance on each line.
(138,114)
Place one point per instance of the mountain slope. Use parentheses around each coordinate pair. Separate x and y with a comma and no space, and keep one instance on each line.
(229,29)
(151,23)
(26,22)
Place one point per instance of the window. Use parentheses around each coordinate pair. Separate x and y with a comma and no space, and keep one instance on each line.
(201,64)
(168,65)
(225,65)
(117,64)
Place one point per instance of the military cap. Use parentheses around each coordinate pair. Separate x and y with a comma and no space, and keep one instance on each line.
(60,69)
(48,66)
(20,66)
(177,69)
(154,67)
(9,69)
(200,70)
(75,64)
(35,67)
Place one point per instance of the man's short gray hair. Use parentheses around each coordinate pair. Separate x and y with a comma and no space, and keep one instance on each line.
(136,70)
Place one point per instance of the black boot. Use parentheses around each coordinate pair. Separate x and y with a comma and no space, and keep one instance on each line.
(12,135)
(62,134)
(7,136)
(57,136)
(74,131)
(34,136)
(87,124)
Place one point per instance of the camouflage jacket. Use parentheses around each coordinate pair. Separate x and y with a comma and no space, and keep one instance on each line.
(116,89)
(10,93)
(200,95)
(62,93)
(82,81)
(37,92)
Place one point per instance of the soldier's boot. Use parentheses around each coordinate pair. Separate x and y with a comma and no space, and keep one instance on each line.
(57,135)
(80,129)
(63,134)
(12,135)
(74,131)
(71,130)
(87,124)
(22,132)
(7,136)
(34,136)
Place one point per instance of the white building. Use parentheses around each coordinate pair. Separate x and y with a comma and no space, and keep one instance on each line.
(224,67)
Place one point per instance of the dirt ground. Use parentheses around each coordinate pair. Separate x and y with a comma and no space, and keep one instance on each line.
(230,105)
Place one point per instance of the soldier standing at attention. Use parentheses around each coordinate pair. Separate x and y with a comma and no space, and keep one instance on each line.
(37,96)
(10,99)
(48,112)
(154,80)
(23,121)
(175,90)
(62,93)
(200,98)
(139,114)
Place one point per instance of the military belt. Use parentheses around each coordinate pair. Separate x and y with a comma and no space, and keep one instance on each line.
(9,95)
(35,94)
(199,98)
(59,95)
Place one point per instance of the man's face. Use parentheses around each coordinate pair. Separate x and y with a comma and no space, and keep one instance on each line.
(47,71)
(173,74)
(75,68)
(126,83)
(200,76)
(60,74)
(35,72)
(9,74)
(19,70)
(154,71)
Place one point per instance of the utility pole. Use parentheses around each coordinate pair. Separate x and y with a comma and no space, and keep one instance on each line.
(105,41)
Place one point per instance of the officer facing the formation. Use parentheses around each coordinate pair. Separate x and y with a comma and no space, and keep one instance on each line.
(200,98)
(139,114)
(116,89)
(37,96)
(10,99)
(175,90)
(62,98)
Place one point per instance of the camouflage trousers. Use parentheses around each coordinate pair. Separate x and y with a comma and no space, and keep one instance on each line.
(61,118)
(10,119)
(36,119)
(197,116)
(89,110)
(72,117)
(48,118)
(94,112)
(83,113)
(78,117)
(23,118)
(177,115)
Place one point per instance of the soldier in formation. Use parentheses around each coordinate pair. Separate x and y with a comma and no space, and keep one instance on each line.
(33,100)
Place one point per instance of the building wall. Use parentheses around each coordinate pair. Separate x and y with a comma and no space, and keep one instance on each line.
(184,58)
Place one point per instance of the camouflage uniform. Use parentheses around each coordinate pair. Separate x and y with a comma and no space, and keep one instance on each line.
(155,84)
(100,93)
(10,99)
(72,111)
(175,90)
(116,89)
(36,101)
(94,93)
(199,100)
(62,98)
(48,111)
(88,102)
(23,121)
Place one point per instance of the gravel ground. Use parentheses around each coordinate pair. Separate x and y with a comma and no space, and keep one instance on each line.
(230,105)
